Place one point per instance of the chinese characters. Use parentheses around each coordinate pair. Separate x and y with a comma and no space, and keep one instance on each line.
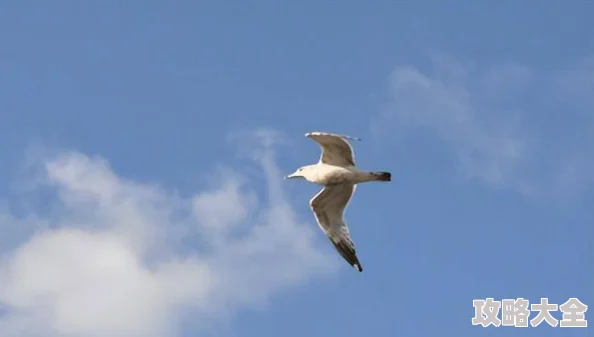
(517,312)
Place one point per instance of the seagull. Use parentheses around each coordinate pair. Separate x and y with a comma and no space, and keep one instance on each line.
(337,173)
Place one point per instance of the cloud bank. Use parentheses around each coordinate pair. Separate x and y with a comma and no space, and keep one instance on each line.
(509,125)
(109,256)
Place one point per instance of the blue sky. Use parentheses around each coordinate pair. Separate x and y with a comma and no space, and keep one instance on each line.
(143,146)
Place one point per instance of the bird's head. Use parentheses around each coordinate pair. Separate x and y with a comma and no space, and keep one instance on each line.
(299,173)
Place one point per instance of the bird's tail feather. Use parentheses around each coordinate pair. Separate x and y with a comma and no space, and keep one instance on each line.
(381,176)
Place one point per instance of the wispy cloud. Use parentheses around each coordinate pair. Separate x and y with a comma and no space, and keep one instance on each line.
(507,125)
(115,257)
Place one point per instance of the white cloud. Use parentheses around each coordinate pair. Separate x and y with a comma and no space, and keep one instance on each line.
(114,257)
(496,122)
(446,106)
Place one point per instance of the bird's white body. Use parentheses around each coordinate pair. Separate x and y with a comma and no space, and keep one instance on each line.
(326,174)
(336,171)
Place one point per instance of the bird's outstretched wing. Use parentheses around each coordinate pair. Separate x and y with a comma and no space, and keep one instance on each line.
(336,149)
(328,207)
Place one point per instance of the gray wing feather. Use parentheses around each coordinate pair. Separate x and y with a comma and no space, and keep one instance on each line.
(328,207)
(336,149)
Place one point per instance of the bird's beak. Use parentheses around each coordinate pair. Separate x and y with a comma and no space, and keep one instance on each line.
(290,176)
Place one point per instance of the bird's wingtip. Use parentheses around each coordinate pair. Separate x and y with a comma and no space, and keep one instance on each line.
(351,137)
(315,133)
(319,133)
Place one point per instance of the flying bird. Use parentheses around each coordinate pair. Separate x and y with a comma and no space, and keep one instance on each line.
(336,171)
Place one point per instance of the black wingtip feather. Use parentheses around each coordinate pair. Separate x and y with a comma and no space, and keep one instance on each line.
(348,253)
